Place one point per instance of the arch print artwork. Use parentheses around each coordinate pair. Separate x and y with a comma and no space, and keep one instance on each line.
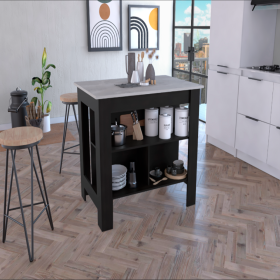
(143,27)
(104,25)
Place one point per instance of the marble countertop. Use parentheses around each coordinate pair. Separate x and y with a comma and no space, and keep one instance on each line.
(104,89)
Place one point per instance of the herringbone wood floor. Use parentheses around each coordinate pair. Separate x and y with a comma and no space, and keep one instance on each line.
(232,232)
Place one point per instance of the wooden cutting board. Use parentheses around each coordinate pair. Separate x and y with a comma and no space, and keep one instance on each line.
(127,120)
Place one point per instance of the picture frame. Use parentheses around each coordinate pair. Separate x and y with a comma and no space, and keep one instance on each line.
(104,25)
(143,27)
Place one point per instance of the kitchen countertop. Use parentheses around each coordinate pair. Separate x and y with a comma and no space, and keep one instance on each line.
(104,89)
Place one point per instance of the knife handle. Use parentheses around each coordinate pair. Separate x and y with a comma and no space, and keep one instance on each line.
(132,117)
(136,116)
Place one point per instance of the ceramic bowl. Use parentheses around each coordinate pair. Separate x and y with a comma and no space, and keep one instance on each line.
(116,185)
(118,171)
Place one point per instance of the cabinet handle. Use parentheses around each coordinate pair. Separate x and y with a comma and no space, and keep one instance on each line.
(255,79)
(256,120)
(222,72)
(222,66)
(277,127)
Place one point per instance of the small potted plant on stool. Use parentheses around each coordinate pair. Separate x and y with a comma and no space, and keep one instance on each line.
(44,83)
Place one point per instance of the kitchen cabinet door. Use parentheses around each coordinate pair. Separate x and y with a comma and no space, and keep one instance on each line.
(275,114)
(226,33)
(222,106)
(252,137)
(255,98)
(273,158)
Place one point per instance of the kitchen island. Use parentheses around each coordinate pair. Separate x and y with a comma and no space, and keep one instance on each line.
(100,103)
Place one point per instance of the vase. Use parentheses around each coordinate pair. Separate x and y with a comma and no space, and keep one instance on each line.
(135,78)
(47,123)
(150,73)
(140,69)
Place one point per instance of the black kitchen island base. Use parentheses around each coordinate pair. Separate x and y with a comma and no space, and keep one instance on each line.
(98,155)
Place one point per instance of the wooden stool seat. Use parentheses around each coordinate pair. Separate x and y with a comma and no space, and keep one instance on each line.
(21,136)
(69,98)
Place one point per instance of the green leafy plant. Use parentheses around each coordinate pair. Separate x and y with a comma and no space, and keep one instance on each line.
(44,83)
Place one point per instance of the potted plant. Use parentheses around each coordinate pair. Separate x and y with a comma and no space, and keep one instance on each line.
(44,83)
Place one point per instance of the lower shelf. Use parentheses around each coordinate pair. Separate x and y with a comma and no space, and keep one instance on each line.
(144,188)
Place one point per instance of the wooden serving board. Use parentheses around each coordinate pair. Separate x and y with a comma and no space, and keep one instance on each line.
(127,120)
(177,177)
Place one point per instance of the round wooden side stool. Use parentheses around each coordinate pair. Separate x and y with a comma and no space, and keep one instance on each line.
(68,99)
(12,140)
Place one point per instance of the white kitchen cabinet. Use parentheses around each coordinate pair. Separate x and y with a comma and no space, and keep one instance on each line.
(255,98)
(239,36)
(252,137)
(222,106)
(275,114)
(273,158)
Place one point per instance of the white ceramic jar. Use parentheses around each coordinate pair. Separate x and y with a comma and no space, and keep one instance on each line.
(170,111)
(164,126)
(181,121)
(151,122)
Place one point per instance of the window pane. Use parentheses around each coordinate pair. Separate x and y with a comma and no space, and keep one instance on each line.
(202,13)
(203,96)
(201,43)
(181,75)
(181,44)
(183,11)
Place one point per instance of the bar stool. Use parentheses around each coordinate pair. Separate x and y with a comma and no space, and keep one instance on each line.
(12,140)
(68,99)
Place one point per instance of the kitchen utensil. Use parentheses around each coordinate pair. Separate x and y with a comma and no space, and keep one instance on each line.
(132,167)
(174,172)
(138,57)
(164,126)
(118,170)
(129,65)
(157,171)
(142,56)
(177,177)
(179,171)
(153,174)
(163,179)
(170,111)
(132,180)
(127,120)
(153,180)
(178,164)
(135,77)
(151,122)
(118,134)
(169,169)
(136,126)
(181,121)
(140,69)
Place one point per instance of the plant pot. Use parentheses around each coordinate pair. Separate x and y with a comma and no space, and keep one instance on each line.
(47,123)
(150,72)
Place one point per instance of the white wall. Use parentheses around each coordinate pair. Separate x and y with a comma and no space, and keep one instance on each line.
(276,57)
(26,27)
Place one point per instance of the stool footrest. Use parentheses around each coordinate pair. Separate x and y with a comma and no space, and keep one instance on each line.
(14,220)
(71,147)
(71,153)
(16,208)
(40,214)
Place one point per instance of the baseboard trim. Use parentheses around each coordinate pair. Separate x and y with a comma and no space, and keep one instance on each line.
(53,120)
(221,145)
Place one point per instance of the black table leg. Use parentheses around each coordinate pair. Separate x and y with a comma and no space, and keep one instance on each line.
(104,167)
(193,144)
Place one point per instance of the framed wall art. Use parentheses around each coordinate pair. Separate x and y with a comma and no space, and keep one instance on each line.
(104,20)
(143,27)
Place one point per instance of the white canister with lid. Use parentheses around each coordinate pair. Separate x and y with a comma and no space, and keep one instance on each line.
(164,126)
(181,121)
(151,122)
(170,111)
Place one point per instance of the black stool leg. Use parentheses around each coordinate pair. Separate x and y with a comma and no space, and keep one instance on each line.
(5,197)
(32,216)
(75,117)
(48,209)
(64,134)
(8,206)
(21,208)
